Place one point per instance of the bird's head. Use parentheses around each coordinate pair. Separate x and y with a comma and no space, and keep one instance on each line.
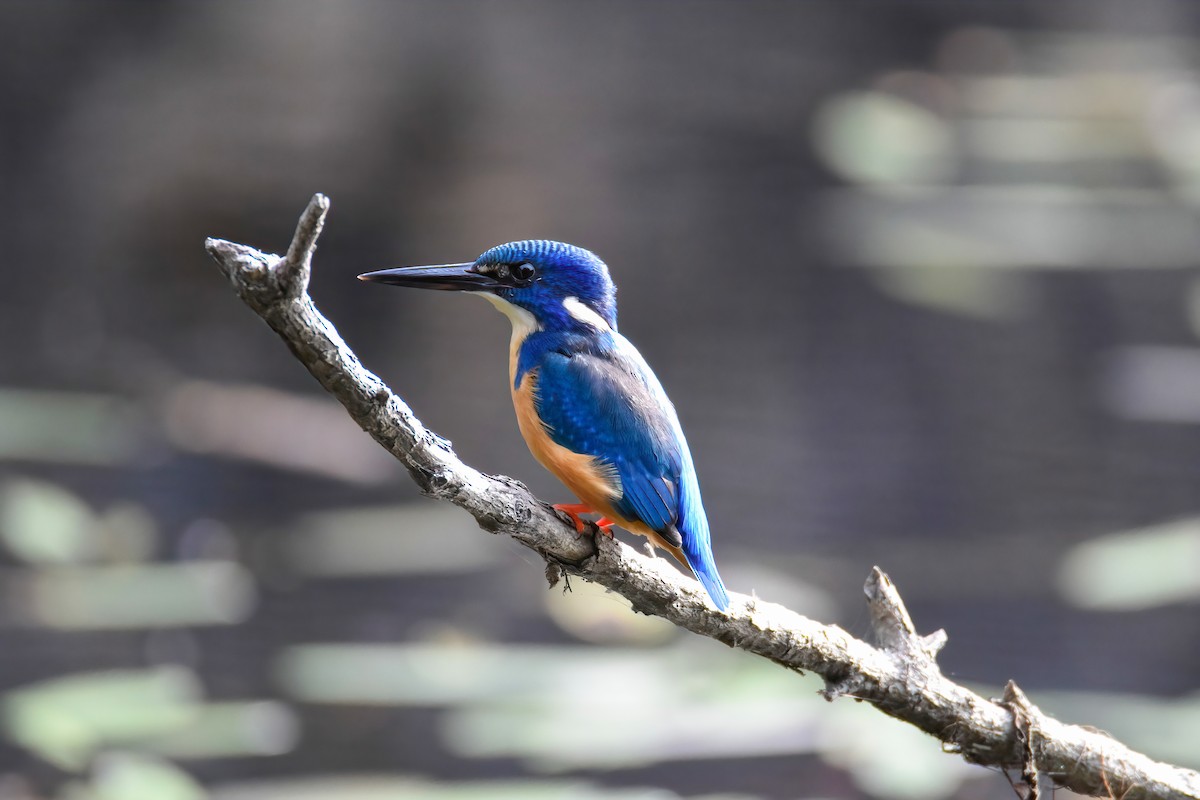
(559,286)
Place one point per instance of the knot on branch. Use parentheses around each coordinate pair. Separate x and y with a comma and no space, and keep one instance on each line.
(265,280)
(893,627)
(895,635)
(1025,721)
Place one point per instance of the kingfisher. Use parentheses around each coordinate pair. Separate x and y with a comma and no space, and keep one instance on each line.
(589,407)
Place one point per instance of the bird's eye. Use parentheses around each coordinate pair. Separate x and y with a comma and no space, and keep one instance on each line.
(523,272)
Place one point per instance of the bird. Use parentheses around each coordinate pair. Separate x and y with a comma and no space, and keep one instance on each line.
(588,405)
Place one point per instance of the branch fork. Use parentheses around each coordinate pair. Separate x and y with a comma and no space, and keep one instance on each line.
(899,675)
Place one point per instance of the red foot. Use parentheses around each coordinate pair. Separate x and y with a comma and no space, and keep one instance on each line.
(573,510)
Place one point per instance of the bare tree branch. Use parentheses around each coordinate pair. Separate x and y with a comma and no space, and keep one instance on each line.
(900,676)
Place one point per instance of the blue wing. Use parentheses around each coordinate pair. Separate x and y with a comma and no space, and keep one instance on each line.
(607,403)
(593,405)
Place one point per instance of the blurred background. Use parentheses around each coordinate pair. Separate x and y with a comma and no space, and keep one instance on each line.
(920,277)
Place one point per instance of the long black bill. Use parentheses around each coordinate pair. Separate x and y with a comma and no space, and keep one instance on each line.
(450,277)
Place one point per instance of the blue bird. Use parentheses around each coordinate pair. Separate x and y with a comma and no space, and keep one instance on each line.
(588,405)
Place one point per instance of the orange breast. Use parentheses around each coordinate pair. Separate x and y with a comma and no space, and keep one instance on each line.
(594,483)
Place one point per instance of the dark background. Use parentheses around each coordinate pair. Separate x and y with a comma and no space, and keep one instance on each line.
(919,277)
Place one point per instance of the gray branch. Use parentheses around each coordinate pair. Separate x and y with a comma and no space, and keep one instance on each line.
(899,675)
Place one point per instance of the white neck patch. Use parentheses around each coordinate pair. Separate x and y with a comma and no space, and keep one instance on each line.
(582,312)
(523,322)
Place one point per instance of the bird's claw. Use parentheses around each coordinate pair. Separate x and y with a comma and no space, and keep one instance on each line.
(573,510)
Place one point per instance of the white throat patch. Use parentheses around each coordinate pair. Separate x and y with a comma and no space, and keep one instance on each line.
(522,321)
(582,312)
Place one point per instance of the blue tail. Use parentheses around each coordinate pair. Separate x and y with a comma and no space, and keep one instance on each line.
(697,545)
(702,564)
